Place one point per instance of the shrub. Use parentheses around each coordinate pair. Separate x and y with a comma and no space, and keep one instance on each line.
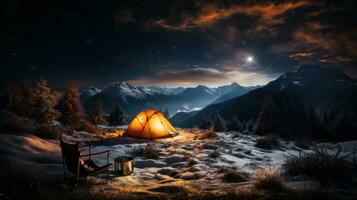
(269,179)
(149,151)
(10,122)
(219,123)
(86,126)
(206,134)
(321,165)
(234,176)
(48,131)
(267,142)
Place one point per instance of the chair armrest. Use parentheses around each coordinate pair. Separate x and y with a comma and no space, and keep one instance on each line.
(98,153)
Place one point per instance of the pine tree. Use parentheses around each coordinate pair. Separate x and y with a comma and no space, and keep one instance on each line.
(235,124)
(219,123)
(99,115)
(206,123)
(117,116)
(267,121)
(26,107)
(44,103)
(71,108)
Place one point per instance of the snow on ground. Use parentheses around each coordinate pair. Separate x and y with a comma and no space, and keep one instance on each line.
(183,159)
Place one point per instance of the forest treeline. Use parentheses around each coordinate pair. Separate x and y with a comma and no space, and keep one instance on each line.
(41,111)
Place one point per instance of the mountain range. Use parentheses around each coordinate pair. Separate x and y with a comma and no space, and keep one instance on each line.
(295,103)
(134,99)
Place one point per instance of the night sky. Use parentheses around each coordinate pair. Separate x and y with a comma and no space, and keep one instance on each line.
(173,43)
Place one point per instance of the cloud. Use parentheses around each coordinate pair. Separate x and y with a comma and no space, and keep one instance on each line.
(328,45)
(207,76)
(209,14)
(279,34)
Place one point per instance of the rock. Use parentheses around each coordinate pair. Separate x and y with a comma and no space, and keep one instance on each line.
(178,165)
(168,171)
(188,176)
(175,159)
(192,176)
(149,163)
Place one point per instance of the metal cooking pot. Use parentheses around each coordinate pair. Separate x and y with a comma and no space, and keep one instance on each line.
(124,165)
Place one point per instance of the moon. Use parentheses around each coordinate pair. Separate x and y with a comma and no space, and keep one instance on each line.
(249,59)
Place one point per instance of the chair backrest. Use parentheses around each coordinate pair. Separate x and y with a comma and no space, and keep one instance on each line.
(70,155)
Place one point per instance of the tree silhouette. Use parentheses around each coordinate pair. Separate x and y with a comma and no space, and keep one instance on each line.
(267,121)
(71,108)
(99,115)
(44,103)
(117,116)
(219,123)
(235,124)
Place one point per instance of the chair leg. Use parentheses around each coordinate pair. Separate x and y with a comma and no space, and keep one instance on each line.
(77,175)
(64,170)
(107,168)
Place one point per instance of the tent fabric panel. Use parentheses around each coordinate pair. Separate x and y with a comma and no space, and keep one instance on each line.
(167,124)
(164,123)
(135,128)
(142,118)
(150,124)
(156,127)
(150,113)
(146,132)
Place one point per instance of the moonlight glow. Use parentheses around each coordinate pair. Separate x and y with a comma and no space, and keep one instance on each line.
(249,59)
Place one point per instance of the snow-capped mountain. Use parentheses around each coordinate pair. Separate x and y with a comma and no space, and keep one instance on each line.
(125,90)
(166,90)
(294,97)
(236,90)
(134,98)
(88,92)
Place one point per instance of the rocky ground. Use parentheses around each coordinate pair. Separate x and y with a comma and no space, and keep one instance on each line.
(225,160)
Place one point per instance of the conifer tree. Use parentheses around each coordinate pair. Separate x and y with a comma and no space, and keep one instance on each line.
(219,123)
(44,103)
(267,121)
(71,108)
(117,116)
(99,115)
(235,124)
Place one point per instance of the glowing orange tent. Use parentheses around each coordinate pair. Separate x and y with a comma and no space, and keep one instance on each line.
(150,124)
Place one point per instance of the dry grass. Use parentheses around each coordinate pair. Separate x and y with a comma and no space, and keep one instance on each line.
(240,193)
(149,151)
(86,126)
(321,165)
(269,179)
(268,141)
(234,176)
(206,134)
(24,183)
